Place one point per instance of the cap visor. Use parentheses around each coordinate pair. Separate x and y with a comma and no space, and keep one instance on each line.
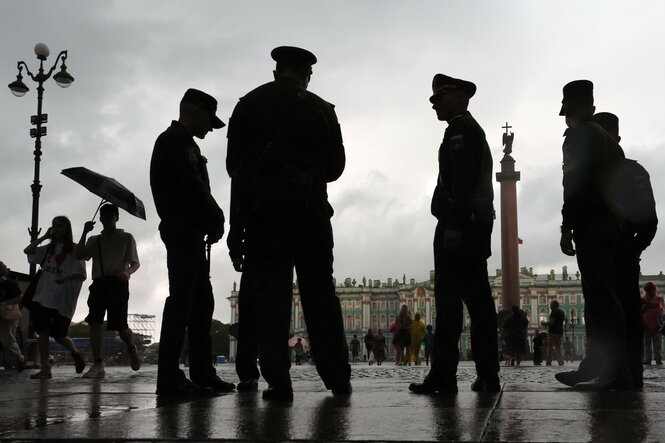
(217,123)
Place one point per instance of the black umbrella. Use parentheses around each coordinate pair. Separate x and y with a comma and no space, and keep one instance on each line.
(108,189)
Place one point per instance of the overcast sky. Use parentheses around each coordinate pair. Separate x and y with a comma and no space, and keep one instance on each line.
(132,61)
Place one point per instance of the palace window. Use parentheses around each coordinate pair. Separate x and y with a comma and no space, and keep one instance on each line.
(374,308)
(383,324)
(392,320)
(348,323)
(357,304)
(383,306)
(543,300)
(374,323)
(356,323)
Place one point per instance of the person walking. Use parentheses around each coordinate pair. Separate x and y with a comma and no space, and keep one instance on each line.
(57,291)
(355,348)
(403,336)
(10,313)
(114,260)
(555,334)
(515,328)
(284,147)
(379,347)
(537,342)
(190,219)
(418,331)
(429,344)
(653,310)
(368,339)
(463,205)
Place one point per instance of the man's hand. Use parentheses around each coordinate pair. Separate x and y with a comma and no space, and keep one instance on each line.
(124,276)
(214,237)
(88,226)
(452,239)
(567,242)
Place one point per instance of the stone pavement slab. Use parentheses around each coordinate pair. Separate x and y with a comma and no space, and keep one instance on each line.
(531,407)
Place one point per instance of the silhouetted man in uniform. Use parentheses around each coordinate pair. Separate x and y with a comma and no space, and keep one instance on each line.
(190,217)
(591,158)
(462,203)
(285,145)
(637,236)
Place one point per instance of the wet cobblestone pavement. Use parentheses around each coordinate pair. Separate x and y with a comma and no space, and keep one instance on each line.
(532,406)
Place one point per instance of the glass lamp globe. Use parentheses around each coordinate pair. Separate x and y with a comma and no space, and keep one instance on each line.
(42,51)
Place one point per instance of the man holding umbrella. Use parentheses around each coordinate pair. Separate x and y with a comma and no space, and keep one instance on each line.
(114,260)
(190,218)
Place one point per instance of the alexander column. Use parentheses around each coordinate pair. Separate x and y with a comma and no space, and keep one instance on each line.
(508,177)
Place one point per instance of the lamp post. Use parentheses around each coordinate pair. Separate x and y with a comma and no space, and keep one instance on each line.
(19,89)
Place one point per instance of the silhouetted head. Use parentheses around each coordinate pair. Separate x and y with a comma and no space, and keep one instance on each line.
(610,123)
(554,304)
(380,332)
(299,339)
(516,310)
(295,63)
(417,316)
(198,113)
(61,232)
(577,102)
(109,215)
(450,96)
(429,328)
(369,331)
(355,336)
(650,288)
(4,270)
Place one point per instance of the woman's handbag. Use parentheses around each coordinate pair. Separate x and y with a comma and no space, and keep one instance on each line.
(29,293)
(10,311)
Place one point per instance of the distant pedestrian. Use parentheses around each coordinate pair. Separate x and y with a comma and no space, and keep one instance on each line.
(515,328)
(379,347)
(568,350)
(355,348)
(429,344)
(653,310)
(537,342)
(114,260)
(57,292)
(10,296)
(368,339)
(555,334)
(403,337)
(418,331)
(299,351)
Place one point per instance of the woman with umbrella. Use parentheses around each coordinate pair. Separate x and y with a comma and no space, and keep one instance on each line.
(57,291)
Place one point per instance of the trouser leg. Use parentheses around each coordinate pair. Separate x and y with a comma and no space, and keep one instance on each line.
(269,261)
(323,314)
(606,322)
(8,338)
(247,331)
(200,322)
(184,255)
(647,348)
(478,298)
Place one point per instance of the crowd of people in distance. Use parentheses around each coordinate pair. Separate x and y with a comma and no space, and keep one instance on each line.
(410,339)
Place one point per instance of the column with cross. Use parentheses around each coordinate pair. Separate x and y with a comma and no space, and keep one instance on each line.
(508,177)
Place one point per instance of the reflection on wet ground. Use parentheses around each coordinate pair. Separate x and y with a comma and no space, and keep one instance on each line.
(531,407)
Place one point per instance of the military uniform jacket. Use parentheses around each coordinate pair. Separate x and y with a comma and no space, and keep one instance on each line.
(463,196)
(590,158)
(280,132)
(180,183)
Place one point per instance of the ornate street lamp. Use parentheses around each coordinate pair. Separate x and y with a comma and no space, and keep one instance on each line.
(19,89)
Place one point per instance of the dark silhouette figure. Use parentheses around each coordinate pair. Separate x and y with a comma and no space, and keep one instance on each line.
(515,328)
(463,205)
(368,339)
(537,341)
(190,218)
(355,348)
(591,159)
(284,146)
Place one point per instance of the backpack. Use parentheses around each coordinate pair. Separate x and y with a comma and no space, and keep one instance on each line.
(632,197)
